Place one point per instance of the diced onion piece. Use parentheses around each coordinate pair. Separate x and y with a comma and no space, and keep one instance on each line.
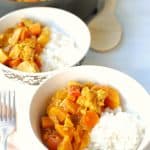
(28,66)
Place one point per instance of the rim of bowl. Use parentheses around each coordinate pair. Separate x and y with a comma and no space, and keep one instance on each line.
(53,70)
(120,73)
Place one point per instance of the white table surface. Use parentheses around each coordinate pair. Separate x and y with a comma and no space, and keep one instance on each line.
(130,56)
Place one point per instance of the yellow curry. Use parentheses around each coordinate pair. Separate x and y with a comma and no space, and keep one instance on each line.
(72,113)
(21,46)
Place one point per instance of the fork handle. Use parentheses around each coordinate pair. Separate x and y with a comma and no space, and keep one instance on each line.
(3,143)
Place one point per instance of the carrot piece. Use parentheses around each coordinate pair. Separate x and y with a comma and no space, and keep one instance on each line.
(46,122)
(90,119)
(113,99)
(35,29)
(24,34)
(13,62)
(38,48)
(74,91)
(53,141)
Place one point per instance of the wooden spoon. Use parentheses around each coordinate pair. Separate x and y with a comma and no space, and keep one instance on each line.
(105,28)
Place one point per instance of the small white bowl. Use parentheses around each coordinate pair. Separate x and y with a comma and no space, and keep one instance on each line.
(66,21)
(134,97)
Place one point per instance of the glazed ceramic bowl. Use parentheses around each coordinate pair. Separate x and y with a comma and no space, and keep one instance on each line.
(74,27)
(134,97)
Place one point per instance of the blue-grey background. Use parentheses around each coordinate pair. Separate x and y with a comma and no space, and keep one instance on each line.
(132,55)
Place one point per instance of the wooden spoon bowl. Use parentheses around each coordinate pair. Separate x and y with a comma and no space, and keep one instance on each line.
(105,29)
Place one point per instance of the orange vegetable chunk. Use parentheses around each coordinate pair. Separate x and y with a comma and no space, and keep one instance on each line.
(113,99)
(24,34)
(53,141)
(90,119)
(46,122)
(35,29)
(13,63)
(74,90)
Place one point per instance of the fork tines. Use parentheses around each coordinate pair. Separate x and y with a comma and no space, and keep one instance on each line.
(7,105)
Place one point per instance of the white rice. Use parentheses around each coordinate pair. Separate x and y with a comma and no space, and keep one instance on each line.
(117,131)
(60,52)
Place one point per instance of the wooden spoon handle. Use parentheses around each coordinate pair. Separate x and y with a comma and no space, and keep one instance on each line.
(109,6)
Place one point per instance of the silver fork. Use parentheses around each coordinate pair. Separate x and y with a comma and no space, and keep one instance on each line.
(7,116)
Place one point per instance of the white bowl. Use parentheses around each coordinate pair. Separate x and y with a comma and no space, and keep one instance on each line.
(67,22)
(134,97)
